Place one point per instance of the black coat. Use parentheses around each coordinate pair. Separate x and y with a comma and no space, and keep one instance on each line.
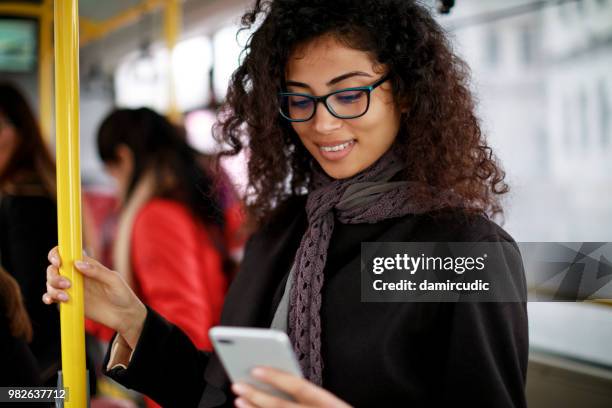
(28,230)
(374,354)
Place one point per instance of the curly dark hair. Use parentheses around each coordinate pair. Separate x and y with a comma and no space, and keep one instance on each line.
(439,138)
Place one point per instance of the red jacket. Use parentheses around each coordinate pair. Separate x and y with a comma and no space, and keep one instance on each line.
(177,270)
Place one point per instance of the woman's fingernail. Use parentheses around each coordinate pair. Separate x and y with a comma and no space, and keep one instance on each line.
(82,264)
(238,389)
(54,260)
(63,297)
(64,283)
(259,372)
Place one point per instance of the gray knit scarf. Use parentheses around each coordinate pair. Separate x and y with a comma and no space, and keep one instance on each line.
(367,197)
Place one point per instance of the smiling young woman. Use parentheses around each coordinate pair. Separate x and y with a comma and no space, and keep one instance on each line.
(360,128)
(358,125)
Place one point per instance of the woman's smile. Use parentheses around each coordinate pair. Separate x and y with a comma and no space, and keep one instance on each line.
(336,150)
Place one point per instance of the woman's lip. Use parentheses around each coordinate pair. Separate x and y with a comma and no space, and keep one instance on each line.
(337,155)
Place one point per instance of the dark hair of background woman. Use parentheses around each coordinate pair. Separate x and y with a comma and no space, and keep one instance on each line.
(31,156)
(439,138)
(12,306)
(157,145)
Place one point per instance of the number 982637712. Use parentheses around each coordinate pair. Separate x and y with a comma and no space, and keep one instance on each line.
(32,394)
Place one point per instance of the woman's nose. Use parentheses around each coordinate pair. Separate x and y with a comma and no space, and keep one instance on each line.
(324,122)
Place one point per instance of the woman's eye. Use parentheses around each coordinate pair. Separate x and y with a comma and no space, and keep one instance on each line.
(300,103)
(349,97)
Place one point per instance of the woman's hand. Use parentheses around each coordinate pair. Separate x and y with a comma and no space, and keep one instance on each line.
(305,393)
(108,298)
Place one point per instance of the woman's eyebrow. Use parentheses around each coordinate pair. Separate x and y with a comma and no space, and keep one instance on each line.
(332,81)
(346,76)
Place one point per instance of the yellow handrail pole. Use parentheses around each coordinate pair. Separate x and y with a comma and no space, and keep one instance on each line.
(45,68)
(69,197)
(172,24)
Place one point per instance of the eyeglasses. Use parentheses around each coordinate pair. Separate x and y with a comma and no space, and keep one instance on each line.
(348,103)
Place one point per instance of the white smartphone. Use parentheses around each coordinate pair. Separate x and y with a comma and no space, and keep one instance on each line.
(241,349)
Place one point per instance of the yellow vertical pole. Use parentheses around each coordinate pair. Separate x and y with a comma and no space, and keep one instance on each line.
(45,68)
(172,24)
(69,197)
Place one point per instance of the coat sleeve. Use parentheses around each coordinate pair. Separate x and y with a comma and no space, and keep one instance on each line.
(165,365)
(488,349)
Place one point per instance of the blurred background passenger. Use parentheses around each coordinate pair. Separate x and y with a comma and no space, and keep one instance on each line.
(19,367)
(28,220)
(178,223)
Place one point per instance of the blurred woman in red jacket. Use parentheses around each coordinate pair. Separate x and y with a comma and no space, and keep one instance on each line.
(178,227)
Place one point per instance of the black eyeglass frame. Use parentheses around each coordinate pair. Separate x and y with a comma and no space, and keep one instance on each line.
(323,99)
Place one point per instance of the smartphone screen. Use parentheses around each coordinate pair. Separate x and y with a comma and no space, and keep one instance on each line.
(242,349)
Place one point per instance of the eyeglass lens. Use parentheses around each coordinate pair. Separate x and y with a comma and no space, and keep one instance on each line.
(345,104)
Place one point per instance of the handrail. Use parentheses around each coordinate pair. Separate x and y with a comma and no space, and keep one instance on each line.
(66,28)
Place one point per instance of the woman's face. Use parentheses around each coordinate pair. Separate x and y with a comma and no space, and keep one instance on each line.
(121,169)
(342,147)
(8,141)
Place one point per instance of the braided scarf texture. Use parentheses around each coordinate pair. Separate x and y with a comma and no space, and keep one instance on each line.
(367,197)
